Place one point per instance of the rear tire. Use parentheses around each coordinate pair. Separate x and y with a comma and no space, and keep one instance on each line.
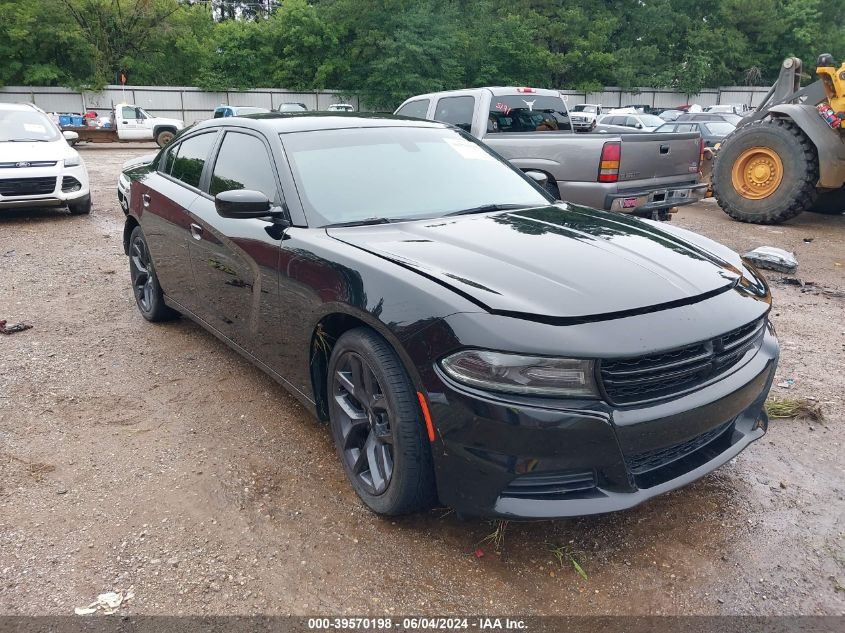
(164,137)
(830,202)
(148,294)
(766,173)
(377,426)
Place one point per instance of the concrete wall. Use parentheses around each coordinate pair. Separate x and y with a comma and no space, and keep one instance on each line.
(192,104)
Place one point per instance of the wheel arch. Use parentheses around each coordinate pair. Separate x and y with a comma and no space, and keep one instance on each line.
(128,227)
(327,328)
(829,147)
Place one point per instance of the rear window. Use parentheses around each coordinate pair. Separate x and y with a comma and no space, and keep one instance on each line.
(417,109)
(456,110)
(189,159)
(527,113)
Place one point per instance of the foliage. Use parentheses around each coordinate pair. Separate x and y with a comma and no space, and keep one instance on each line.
(387,50)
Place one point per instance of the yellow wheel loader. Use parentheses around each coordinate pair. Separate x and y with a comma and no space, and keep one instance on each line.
(788,155)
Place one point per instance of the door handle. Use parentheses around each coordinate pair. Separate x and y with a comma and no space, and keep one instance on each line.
(196,231)
(125,123)
(146,198)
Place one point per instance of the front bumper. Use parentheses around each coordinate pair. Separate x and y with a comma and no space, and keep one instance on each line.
(63,190)
(655,200)
(502,457)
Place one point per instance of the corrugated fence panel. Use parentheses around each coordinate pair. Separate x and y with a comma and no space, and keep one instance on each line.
(198,100)
(59,101)
(158,99)
(253,98)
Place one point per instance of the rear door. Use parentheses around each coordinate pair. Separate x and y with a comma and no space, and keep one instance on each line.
(163,199)
(235,261)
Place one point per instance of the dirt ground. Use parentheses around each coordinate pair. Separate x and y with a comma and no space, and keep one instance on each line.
(152,457)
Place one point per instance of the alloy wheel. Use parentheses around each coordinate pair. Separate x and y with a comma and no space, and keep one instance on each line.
(142,278)
(364,422)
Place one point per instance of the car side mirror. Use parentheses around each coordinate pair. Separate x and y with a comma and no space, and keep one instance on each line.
(70,136)
(639,126)
(537,176)
(242,204)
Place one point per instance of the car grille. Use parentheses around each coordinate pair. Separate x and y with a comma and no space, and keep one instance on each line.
(651,460)
(27,186)
(28,163)
(550,485)
(656,376)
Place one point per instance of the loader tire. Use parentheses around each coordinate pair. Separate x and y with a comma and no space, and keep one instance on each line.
(766,172)
(830,202)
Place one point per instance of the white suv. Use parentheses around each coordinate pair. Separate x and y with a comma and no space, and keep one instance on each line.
(37,166)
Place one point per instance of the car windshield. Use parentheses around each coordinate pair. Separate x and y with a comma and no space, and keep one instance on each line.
(650,120)
(527,113)
(247,110)
(585,108)
(399,173)
(292,107)
(719,128)
(26,125)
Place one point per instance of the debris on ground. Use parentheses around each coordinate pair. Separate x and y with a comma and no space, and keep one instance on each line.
(811,287)
(14,327)
(786,384)
(773,258)
(794,408)
(108,603)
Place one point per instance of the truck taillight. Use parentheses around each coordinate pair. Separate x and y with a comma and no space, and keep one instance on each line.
(611,154)
(527,90)
(700,154)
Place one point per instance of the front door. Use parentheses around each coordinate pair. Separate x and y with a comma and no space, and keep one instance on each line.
(235,260)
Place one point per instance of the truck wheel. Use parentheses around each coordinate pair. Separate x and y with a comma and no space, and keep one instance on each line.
(830,202)
(164,137)
(766,173)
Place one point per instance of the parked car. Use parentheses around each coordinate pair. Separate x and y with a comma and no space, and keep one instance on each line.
(292,107)
(222,111)
(584,116)
(708,116)
(129,123)
(630,173)
(712,132)
(634,120)
(670,115)
(37,166)
(341,107)
(731,108)
(464,337)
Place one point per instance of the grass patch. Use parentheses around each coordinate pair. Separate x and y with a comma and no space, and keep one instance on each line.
(497,536)
(564,555)
(790,408)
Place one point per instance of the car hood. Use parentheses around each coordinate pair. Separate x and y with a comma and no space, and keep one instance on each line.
(29,152)
(138,161)
(562,263)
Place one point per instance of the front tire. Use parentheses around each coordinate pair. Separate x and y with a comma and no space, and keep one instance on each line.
(148,294)
(377,426)
(80,207)
(766,173)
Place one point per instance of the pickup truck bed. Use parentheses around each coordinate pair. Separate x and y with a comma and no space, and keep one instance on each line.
(652,174)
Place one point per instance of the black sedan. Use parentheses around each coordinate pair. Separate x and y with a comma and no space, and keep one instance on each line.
(467,338)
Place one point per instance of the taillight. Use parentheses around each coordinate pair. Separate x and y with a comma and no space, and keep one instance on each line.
(611,154)
(700,154)
(527,90)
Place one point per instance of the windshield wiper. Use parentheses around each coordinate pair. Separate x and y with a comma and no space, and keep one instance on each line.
(484,208)
(364,222)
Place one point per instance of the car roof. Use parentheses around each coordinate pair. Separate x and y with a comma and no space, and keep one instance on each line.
(18,107)
(279,123)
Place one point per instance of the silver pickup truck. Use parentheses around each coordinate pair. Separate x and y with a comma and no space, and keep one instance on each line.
(640,173)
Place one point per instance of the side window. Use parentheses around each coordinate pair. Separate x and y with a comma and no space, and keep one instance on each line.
(166,164)
(127,113)
(416,109)
(243,163)
(189,162)
(617,120)
(689,127)
(631,121)
(456,110)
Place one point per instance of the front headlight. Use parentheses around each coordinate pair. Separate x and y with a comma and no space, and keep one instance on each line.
(752,281)
(73,161)
(528,375)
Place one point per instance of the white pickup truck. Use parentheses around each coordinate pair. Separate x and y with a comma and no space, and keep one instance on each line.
(130,123)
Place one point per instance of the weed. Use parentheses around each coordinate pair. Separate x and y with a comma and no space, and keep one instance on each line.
(788,408)
(497,536)
(564,554)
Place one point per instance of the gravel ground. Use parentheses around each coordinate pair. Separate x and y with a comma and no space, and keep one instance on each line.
(152,457)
